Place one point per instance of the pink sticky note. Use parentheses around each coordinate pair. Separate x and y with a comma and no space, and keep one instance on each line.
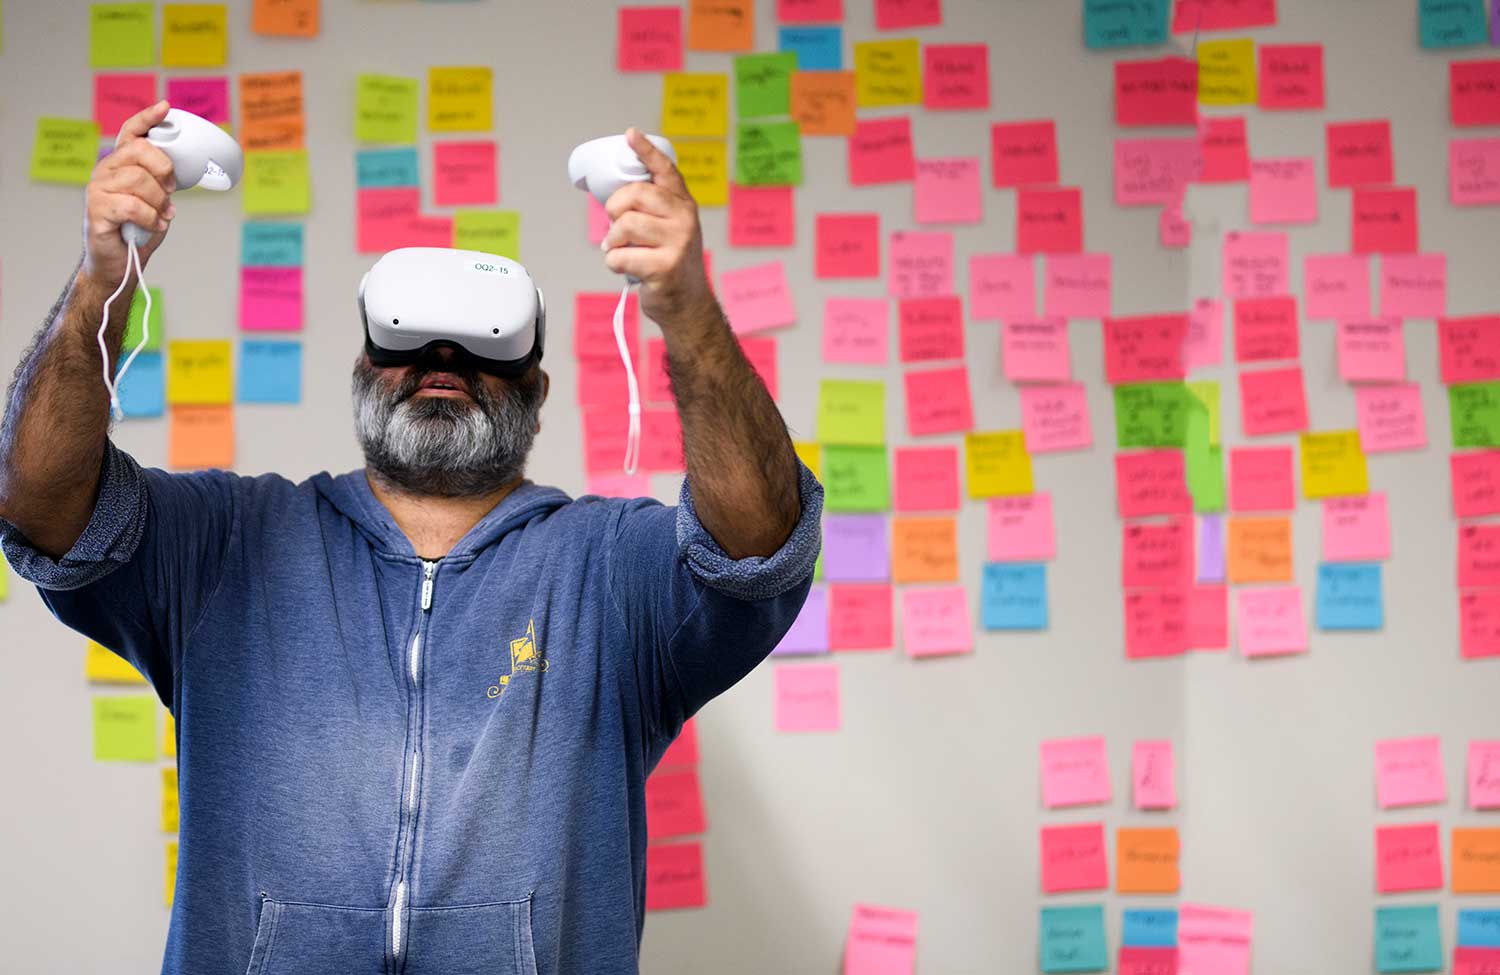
(1359,153)
(1225,149)
(1390,418)
(619,486)
(1156,92)
(599,223)
(1021,528)
(859,617)
(1204,345)
(1157,623)
(930,329)
(809,11)
(1385,221)
(1265,329)
(881,941)
(650,39)
(119,96)
(1078,286)
(1156,556)
(1174,229)
(807,697)
(684,748)
(1073,858)
(1145,348)
(1260,479)
(1474,172)
(1208,617)
(674,804)
(1408,858)
(1356,529)
(1284,191)
(1151,482)
(384,217)
(1152,775)
(936,621)
(761,216)
(1474,92)
(464,173)
(1056,418)
(594,328)
(1214,940)
(1468,960)
(880,151)
(1372,351)
(1414,285)
(847,244)
(921,264)
(955,76)
(1155,172)
(1002,286)
(1470,348)
(1336,286)
(1049,221)
(1138,960)
(674,876)
(937,401)
(1273,401)
(1476,483)
(1192,16)
(1024,153)
(1479,624)
(1409,772)
(901,14)
(856,330)
(1484,775)
(1270,621)
(1256,265)
(205,97)
(926,479)
(757,297)
(1291,76)
(1479,556)
(1075,772)
(947,191)
(1036,351)
(271,299)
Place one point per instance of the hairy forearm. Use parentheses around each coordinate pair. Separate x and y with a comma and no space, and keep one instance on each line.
(56,419)
(740,462)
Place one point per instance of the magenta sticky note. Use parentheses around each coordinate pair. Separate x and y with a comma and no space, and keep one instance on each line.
(947,191)
(1024,153)
(1140,960)
(1157,92)
(761,216)
(1273,401)
(810,12)
(880,151)
(205,97)
(935,621)
(1152,775)
(1270,621)
(757,297)
(1484,775)
(1073,858)
(1204,345)
(119,96)
(1155,172)
(856,548)
(1156,556)
(930,329)
(1002,286)
(1078,286)
(1479,556)
(955,76)
(271,299)
(1414,285)
(1225,148)
(1336,286)
(856,330)
(1372,351)
(847,245)
(1469,348)
(807,697)
(859,617)
(921,264)
(1192,16)
(1075,772)
(1266,329)
(1208,617)
(1291,77)
(1056,418)
(1476,483)
(1474,92)
(1408,858)
(1144,348)
(1385,221)
(1390,417)
(1151,482)
(925,479)
(598,220)
(384,217)
(1036,351)
(1357,528)
(1359,153)
(594,329)
(1261,479)
(1157,623)
(904,14)
(464,173)
(1049,220)
(1474,172)
(1020,528)
(618,485)
(938,401)
(1409,772)
(1479,624)
(1284,191)
(650,39)
(1256,265)
(674,804)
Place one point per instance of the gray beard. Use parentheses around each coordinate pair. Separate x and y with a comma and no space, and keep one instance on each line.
(445,447)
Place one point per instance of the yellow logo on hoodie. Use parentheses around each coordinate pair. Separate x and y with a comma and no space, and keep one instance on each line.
(525,658)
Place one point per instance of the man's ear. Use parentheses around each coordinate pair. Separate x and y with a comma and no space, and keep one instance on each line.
(546,388)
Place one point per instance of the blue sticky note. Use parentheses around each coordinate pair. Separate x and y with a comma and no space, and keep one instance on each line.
(270,244)
(270,372)
(1145,928)
(376,168)
(1453,23)
(1407,939)
(817,48)
(1014,596)
(1072,939)
(1349,596)
(1478,929)
(1124,23)
(143,391)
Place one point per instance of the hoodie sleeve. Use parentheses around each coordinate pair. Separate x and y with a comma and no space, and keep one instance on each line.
(139,576)
(698,619)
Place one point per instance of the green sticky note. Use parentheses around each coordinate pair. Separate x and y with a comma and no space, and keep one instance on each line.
(763,84)
(276,182)
(768,154)
(855,478)
(1206,393)
(137,319)
(1151,414)
(125,728)
(491,231)
(1474,410)
(385,109)
(122,35)
(1072,939)
(1408,939)
(65,151)
(1205,464)
(851,412)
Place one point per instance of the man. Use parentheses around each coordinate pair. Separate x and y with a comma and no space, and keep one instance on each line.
(416,704)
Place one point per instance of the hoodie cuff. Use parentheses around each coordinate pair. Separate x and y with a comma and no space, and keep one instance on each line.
(109,541)
(754,577)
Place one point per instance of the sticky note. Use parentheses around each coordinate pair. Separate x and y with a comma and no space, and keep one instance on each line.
(270,372)
(1272,401)
(923,549)
(1269,621)
(170,862)
(464,173)
(1385,221)
(205,97)
(1078,286)
(65,151)
(930,328)
(1474,92)
(1474,172)
(285,18)
(1333,464)
(270,299)
(847,245)
(270,244)
(855,478)
(1226,150)
(1474,409)
(276,183)
(1072,939)
(1151,482)
(1476,483)
(1213,939)
(880,939)
(1155,172)
(124,728)
(1211,551)
(812,12)
(762,84)
(102,666)
(1151,415)
(674,804)
(1407,939)
(721,25)
(674,876)
(1349,596)
(138,325)
(1371,351)
(1484,780)
(1356,529)
(901,14)
(947,191)
(386,167)
(997,463)
(1266,329)
(1107,24)
(856,330)
(1049,221)
(649,39)
(1208,617)
(459,99)
(1478,929)
(143,391)
(768,154)
(856,548)
(1152,776)
(935,621)
(1205,470)
(1023,153)
(938,401)
(1479,624)
(1408,858)
(198,371)
(757,297)
(1391,417)
(1226,72)
(1476,861)
(385,109)
(1156,556)
(1336,286)
(859,617)
(194,35)
(1144,348)
(1146,860)
(122,35)
(1003,287)
(809,631)
(1191,16)
(1451,23)
(1035,351)
(200,436)
(1075,772)
(761,216)
(1284,191)
(705,169)
(168,735)
(887,73)
(955,76)
(1414,285)
(926,479)
(1156,623)
(119,96)
(1013,596)
(1256,265)
(1359,153)
(1156,92)
(1291,77)
(815,48)
(921,264)
(1477,567)
(1021,528)
(807,697)
(271,111)
(169,812)
(1056,417)
(851,412)
(490,231)
(823,103)
(1149,928)
(1073,858)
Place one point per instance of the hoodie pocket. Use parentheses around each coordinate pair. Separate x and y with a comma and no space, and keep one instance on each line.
(478,939)
(304,939)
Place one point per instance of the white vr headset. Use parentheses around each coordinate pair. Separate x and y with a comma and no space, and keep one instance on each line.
(419,298)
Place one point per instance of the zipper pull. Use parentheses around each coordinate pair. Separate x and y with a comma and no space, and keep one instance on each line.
(429,569)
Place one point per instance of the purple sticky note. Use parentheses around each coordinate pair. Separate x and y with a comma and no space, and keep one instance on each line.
(856,549)
(1211,548)
(809,632)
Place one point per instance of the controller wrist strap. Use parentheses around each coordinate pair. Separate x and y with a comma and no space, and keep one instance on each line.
(112,383)
(633,436)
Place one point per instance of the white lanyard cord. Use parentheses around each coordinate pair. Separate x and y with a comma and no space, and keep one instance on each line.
(633,437)
(112,383)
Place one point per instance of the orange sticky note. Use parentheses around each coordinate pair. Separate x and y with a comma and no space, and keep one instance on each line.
(1146,861)
(271,112)
(924,550)
(721,25)
(285,18)
(201,436)
(823,102)
(1476,861)
(1260,550)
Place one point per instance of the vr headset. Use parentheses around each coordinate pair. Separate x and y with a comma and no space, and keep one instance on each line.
(483,306)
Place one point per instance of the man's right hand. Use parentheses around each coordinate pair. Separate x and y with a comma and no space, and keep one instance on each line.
(133,184)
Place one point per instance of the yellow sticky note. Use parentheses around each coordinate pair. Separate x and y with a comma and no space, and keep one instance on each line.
(385,109)
(851,412)
(122,35)
(705,169)
(459,99)
(1226,72)
(1206,392)
(998,463)
(695,105)
(491,231)
(125,728)
(103,666)
(4,580)
(168,735)
(888,73)
(811,454)
(65,151)
(194,35)
(198,371)
(276,183)
(171,874)
(169,800)
(1333,465)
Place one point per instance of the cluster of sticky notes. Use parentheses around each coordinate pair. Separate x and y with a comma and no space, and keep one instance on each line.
(1469,357)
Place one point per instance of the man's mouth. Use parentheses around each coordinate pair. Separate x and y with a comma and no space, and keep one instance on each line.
(442,384)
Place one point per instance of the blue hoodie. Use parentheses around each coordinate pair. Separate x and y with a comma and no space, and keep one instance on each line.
(391,765)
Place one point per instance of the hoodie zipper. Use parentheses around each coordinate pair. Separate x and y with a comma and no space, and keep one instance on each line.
(413,765)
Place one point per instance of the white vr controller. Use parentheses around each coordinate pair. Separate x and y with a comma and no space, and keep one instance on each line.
(202,154)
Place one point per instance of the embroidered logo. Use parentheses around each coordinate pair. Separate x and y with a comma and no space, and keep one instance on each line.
(525,658)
